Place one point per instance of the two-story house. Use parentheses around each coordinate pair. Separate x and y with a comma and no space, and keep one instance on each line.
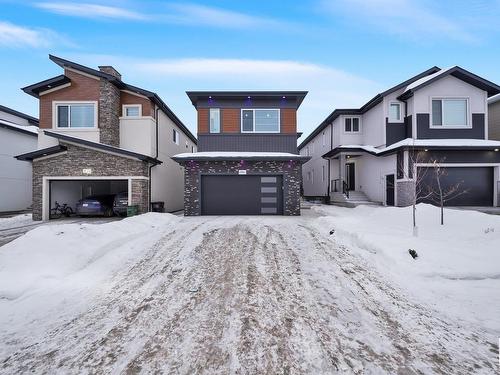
(375,152)
(18,134)
(100,135)
(248,162)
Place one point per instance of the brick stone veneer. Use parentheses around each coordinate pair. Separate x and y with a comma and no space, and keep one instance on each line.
(405,193)
(73,162)
(290,170)
(109,112)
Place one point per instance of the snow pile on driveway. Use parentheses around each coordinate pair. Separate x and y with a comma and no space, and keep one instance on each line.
(48,254)
(15,221)
(458,264)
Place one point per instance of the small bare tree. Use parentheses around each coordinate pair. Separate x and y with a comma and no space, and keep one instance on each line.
(419,190)
(440,195)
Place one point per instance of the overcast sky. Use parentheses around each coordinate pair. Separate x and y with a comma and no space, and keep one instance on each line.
(343,52)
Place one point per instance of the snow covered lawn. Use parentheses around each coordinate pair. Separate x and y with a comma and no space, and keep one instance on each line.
(15,221)
(158,293)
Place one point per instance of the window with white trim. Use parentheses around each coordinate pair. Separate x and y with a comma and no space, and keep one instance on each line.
(323,174)
(260,120)
(450,112)
(132,110)
(75,115)
(395,112)
(214,120)
(324,139)
(175,136)
(352,124)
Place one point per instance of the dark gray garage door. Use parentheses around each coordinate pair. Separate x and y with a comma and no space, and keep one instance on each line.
(241,195)
(477,181)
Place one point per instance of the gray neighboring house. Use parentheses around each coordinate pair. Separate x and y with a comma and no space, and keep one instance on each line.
(247,161)
(18,134)
(494,117)
(367,154)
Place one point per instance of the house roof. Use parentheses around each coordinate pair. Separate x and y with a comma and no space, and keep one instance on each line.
(102,147)
(35,89)
(297,96)
(32,120)
(430,144)
(494,99)
(367,106)
(224,155)
(25,129)
(30,156)
(457,72)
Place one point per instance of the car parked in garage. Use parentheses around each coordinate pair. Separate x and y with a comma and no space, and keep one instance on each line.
(120,204)
(97,205)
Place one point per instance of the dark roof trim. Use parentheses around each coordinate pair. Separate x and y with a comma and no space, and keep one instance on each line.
(32,120)
(298,158)
(36,88)
(17,128)
(462,74)
(30,156)
(103,147)
(195,96)
(60,80)
(367,106)
(338,150)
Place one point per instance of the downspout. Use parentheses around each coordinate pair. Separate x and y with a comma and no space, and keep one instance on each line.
(156,157)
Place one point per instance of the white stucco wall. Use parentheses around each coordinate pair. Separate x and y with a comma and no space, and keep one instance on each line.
(138,134)
(168,177)
(15,175)
(317,147)
(373,128)
(370,175)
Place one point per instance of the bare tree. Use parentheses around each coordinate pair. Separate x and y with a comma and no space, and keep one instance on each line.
(419,190)
(440,195)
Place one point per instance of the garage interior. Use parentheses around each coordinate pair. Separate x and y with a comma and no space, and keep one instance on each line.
(71,191)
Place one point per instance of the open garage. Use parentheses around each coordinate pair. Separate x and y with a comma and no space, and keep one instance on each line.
(70,191)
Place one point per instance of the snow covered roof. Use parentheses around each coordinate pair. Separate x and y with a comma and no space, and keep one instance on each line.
(224,155)
(28,129)
(420,81)
(419,143)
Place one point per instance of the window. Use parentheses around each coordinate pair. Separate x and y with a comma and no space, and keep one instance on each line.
(449,112)
(260,120)
(214,120)
(324,139)
(394,112)
(78,115)
(187,145)
(312,176)
(132,110)
(192,148)
(323,173)
(175,136)
(351,124)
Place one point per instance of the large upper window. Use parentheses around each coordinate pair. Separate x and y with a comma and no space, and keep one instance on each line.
(394,112)
(449,112)
(75,115)
(214,120)
(260,120)
(351,125)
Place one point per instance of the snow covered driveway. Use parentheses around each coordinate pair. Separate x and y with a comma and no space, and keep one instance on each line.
(224,295)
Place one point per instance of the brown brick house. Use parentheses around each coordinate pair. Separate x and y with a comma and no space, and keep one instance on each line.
(247,161)
(100,135)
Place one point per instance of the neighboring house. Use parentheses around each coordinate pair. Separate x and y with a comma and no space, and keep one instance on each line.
(248,163)
(494,117)
(18,134)
(365,154)
(100,135)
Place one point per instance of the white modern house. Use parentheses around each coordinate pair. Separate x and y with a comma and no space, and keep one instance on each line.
(18,134)
(367,154)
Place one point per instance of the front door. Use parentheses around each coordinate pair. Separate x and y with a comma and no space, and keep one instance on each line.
(389,190)
(349,175)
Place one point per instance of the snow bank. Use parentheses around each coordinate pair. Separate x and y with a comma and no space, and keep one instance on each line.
(458,268)
(46,255)
(15,221)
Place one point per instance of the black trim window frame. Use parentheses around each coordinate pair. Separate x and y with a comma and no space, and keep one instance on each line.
(175,136)
(351,123)
(438,119)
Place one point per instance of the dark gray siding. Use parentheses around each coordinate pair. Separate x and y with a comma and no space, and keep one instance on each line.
(425,132)
(397,131)
(494,121)
(248,142)
(460,156)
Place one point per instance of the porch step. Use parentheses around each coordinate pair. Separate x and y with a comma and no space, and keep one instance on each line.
(356,198)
